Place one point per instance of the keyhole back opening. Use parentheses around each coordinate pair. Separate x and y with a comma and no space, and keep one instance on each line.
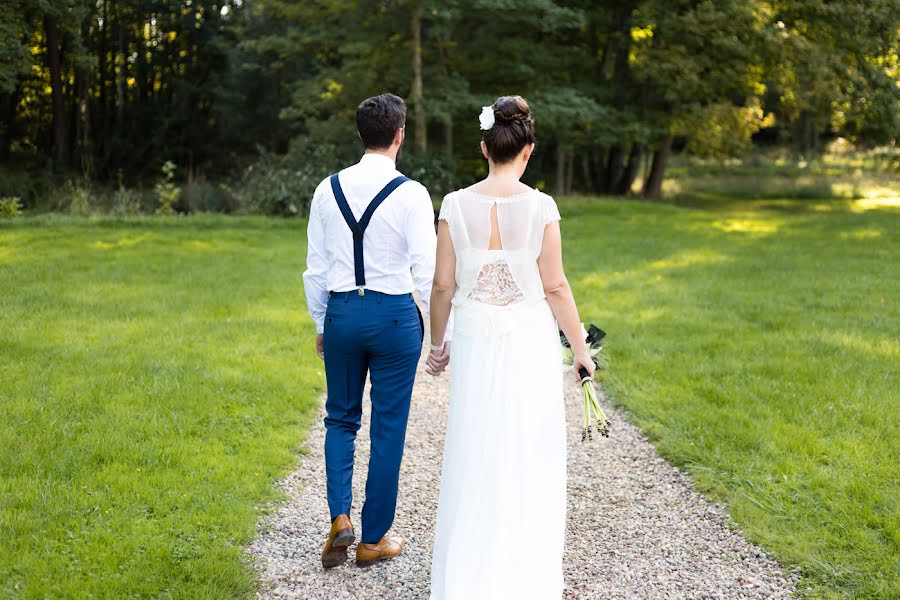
(496,241)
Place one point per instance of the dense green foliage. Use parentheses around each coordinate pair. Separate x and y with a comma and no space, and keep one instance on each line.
(153,386)
(113,89)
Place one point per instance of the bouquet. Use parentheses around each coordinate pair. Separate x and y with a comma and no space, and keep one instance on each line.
(592,412)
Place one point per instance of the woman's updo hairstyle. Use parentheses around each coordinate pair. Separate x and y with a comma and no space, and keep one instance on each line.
(513,129)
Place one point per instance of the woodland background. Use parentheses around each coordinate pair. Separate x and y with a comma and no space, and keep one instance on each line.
(245,105)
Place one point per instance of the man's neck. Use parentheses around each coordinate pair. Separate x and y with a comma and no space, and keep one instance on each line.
(389,153)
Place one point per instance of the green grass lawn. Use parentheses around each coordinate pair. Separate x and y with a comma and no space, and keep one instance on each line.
(155,378)
(759,348)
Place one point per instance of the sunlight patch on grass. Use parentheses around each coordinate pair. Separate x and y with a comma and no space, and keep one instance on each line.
(686,259)
(757,227)
(861,234)
(120,243)
(883,347)
(876,203)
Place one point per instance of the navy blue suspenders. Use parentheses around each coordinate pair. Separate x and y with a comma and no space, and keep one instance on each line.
(359,228)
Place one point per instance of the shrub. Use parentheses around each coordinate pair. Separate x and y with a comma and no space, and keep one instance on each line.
(435,171)
(73,197)
(207,197)
(125,202)
(32,184)
(284,184)
(166,190)
(10,207)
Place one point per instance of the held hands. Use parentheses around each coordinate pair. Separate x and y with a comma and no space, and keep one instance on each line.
(583,360)
(438,360)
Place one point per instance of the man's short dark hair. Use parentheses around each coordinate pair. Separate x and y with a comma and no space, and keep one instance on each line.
(378,119)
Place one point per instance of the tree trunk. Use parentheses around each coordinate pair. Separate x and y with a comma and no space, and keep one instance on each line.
(587,180)
(805,133)
(421,133)
(570,173)
(61,151)
(122,64)
(560,170)
(615,166)
(631,170)
(653,184)
(598,164)
(11,103)
(448,136)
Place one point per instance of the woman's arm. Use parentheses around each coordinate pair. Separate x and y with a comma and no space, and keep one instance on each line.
(442,290)
(559,296)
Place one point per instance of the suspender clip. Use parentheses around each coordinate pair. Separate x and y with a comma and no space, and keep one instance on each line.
(362,292)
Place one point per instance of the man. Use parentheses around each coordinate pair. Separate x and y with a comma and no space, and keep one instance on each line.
(371,244)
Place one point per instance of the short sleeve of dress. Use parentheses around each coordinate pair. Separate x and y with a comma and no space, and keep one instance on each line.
(549,209)
(446,208)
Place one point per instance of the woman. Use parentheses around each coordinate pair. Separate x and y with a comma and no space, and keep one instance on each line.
(502,507)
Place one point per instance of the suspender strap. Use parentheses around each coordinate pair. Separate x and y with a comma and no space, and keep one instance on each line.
(359,228)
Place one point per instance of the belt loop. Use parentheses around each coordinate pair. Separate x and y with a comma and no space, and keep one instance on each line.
(379,296)
(346,298)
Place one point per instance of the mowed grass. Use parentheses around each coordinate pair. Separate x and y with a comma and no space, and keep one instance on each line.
(759,348)
(156,376)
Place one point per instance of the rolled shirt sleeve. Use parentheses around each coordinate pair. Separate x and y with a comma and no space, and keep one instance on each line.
(422,243)
(314,278)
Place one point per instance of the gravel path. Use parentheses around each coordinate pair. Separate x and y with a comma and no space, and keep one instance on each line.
(636,528)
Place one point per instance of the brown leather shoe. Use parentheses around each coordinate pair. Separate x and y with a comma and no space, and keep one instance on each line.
(369,554)
(339,539)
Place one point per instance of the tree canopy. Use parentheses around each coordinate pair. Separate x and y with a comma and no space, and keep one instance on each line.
(115,88)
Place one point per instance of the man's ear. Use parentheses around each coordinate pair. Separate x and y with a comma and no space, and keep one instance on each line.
(484,150)
(398,137)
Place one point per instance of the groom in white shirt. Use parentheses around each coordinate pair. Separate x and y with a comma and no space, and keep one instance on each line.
(371,244)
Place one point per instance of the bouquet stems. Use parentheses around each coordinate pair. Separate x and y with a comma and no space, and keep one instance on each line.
(592,413)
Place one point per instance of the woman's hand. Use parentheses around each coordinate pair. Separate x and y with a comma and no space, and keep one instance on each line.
(438,360)
(583,360)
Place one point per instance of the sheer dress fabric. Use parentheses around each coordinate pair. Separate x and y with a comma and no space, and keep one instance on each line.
(521,220)
(502,503)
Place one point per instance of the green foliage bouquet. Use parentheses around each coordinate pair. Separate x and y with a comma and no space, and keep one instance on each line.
(592,413)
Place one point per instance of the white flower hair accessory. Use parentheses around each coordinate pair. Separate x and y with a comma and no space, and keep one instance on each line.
(486,118)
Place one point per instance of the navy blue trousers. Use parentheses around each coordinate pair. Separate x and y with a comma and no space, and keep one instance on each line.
(380,334)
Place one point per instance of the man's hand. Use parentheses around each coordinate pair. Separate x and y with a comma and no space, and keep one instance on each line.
(320,346)
(438,360)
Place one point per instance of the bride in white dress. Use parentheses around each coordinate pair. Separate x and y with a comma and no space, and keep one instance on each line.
(502,508)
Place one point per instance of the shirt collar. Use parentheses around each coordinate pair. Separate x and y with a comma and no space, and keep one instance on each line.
(377,159)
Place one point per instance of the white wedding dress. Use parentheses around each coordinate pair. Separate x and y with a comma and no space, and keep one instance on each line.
(502,507)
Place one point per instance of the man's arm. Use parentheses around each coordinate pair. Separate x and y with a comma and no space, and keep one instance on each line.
(422,244)
(314,278)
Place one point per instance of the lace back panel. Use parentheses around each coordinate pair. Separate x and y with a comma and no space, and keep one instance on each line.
(495,285)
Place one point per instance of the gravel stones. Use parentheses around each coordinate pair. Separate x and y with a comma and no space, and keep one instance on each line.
(636,528)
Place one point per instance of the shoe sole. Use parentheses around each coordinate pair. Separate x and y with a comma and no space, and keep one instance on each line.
(337,554)
(368,563)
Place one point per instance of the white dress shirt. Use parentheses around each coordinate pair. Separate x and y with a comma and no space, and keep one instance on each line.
(399,244)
